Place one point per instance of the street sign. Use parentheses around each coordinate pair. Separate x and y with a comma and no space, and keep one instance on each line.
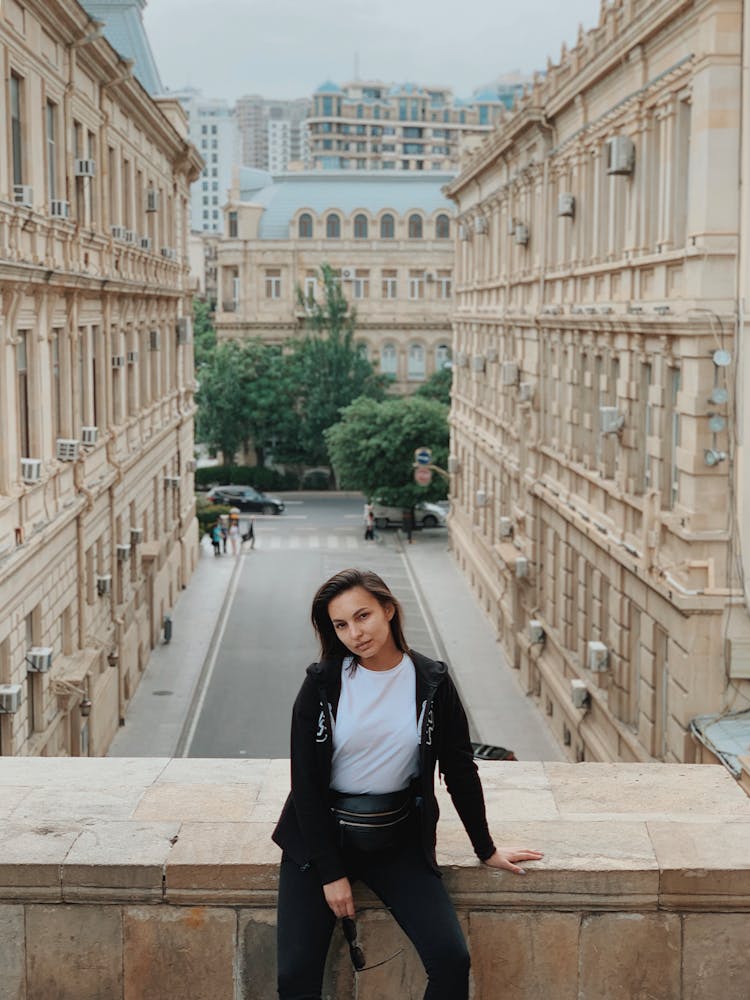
(422,476)
(423,456)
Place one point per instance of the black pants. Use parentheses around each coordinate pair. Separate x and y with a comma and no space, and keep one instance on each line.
(413,893)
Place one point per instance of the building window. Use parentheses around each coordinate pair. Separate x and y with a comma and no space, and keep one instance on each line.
(51,127)
(387,227)
(361,284)
(416,284)
(389,360)
(416,367)
(22,390)
(305,226)
(311,283)
(56,401)
(442,227)
(273,283)
(333,227)
(444,284)
(442,357)
(390,284)
(232,218)
(360,227)
(415,227)
(16,130)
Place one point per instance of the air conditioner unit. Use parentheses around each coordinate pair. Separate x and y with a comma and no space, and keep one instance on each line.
(183,330)
(31,470)
(481,498)
(10,698)
(610,419)
(579,693)
(39,659)
(85,168)
(173,481)
(89,436)
(463,232)
(509,375)
(566,205)
(152,200)
(118,360)
(145,243)
(132,357)
(118,232)
(477,363)
(505,527)
(521,235)
(136,536)
(480,224)
(59,209)
(536,631)
(169,253)
(522,567)
(103,584)
(154,340)
(347,274)
(129,236)
(67,449)
(453,464)
(525,392)
(492,353)
(23,194)
(620,155)
(598,657)
(123,552)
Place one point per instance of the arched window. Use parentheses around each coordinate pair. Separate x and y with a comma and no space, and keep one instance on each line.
(305,226)
(388,359)
(415,371)
(387,228)
(360,227)
(333,227)
(442,357)
(442,227)
(415,227)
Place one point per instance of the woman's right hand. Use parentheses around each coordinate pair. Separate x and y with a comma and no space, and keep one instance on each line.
(339,897)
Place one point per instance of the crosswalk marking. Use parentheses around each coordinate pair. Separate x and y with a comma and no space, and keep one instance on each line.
(350,543)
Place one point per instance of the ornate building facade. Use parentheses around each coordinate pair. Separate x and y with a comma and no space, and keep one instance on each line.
(97,526)
(389,238)
(595,417)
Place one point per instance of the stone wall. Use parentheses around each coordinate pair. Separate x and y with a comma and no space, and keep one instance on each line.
(151,878)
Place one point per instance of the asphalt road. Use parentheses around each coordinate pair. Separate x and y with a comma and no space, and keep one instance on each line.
(243,705)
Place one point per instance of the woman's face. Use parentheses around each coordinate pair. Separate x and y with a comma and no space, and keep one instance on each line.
(364,626)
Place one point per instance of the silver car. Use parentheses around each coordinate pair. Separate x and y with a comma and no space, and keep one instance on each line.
(426,515)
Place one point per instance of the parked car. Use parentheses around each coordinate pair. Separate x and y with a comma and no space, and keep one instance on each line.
(426,515)
(246,498)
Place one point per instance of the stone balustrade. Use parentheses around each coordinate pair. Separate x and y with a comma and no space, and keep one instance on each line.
(153,879)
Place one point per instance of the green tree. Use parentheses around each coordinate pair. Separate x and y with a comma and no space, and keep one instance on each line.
(204,334)
(327,369)
(372,448)
(438,386)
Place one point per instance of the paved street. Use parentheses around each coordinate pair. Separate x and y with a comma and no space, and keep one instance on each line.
(225,685)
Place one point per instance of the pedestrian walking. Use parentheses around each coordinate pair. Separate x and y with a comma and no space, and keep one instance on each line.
(249,535)
(369,523)
(234,536)
(216,539)
(370,720)
(408,519)
(224,529)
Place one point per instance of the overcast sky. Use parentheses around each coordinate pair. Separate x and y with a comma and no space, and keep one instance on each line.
(286,48)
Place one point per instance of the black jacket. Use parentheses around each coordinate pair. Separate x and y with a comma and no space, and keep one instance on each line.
(306,830)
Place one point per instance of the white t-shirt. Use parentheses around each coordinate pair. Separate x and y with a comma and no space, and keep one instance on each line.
(376,734)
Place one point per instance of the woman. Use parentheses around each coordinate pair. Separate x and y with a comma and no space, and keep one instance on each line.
(370,723)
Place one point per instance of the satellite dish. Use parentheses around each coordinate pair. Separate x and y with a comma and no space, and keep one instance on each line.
(722,358)
(717,423)
(719,394)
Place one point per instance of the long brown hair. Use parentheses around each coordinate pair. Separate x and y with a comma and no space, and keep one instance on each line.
(330,644)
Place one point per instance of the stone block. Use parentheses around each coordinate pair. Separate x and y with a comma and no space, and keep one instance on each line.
(74,952)
(12,796)
(382,939)
(704,864)
(64,803)
(12,953)
(171,801)
(630,956)
(257,958)
(522,956)
(222,861)
(174,952)
(715,956)
(30,859)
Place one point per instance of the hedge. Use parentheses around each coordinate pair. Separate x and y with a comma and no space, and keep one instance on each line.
(245,475)
(209,515)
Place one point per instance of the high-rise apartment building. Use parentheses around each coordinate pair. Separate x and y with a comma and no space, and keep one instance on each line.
(378,126)
(213,131)
(271,132)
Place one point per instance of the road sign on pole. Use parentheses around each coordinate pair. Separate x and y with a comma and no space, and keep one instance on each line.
(423,456)
(422,476)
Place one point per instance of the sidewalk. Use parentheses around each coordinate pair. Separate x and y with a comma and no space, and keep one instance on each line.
(498,710)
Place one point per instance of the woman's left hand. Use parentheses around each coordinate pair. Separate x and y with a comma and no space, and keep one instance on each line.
(506,859)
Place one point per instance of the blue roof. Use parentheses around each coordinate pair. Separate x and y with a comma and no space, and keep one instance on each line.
(124,30)
(487,95)
(373,191)
(728,736)
(329,87)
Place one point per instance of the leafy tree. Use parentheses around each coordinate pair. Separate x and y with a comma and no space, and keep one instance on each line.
(204,334)
(327,369)
(438,386)
(372,448)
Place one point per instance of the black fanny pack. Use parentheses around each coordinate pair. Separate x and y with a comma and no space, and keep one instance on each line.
(371,822)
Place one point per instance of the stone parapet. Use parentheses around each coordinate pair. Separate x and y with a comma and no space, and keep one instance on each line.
(134,878)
